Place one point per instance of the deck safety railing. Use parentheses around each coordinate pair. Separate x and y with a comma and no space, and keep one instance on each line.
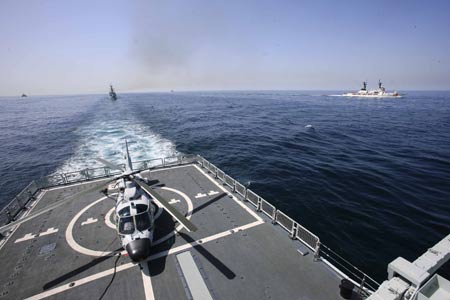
(17,205)
(365,283)
(296,231)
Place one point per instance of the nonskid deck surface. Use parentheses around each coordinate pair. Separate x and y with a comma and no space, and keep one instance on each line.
(69,252)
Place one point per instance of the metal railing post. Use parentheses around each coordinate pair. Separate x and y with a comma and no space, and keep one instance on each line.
(317,251)
(258,208)
(293,231)
(8,215)
(19,203)
(274,216)
(30,196)
(363,281)
(234,186)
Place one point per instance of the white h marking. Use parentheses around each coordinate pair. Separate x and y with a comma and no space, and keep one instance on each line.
(26,237)
(89,221)
(49,231)
(200,195)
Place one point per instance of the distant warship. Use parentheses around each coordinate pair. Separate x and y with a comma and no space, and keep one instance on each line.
(378,93)
(112,94)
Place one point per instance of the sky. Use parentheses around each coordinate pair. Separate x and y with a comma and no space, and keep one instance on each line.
(75,47)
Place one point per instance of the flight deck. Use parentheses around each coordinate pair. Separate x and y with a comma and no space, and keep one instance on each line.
(238,251)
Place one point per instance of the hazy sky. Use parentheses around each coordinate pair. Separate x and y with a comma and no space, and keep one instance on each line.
(66,47)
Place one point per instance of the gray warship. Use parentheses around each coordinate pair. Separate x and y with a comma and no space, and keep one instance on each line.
(112,94)
(244,248)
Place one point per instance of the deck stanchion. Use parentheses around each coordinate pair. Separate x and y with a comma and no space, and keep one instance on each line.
(317,251)
(64,178)
(363,281)
(293,231)
(274,216)
(258,207)
(8,215)
(30,196)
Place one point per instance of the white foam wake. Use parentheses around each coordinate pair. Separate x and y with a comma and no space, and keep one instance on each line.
(106,139)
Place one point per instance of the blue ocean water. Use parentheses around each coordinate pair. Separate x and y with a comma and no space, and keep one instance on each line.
(372,179)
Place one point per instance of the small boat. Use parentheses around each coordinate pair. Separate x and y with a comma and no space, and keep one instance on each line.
(112,94)
(378,93)
(24,95)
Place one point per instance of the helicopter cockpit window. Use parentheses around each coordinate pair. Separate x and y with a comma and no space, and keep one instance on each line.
(126,225)
(124,212)
(142,221)
(141,208)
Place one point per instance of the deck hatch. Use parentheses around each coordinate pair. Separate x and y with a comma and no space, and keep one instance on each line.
(47,249)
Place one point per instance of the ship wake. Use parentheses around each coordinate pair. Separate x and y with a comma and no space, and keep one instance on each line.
(106,139)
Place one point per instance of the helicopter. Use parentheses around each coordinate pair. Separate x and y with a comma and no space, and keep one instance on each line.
(134,209)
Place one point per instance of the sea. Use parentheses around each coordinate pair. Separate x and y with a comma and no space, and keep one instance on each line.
(370,177)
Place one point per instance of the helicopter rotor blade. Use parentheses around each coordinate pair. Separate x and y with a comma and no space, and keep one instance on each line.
(169,208)
(53,206)
(110,164)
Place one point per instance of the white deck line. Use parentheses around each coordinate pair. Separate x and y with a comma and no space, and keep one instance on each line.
(204,240)
(147,282)
(79,282)
(194,279)
(254,214)
(88,279)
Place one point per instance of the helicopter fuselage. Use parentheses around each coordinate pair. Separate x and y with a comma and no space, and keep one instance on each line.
(134,216)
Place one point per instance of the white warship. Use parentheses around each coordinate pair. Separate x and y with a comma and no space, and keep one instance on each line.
(378,93)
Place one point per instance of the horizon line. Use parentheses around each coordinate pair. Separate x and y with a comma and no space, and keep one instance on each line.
(209,90)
